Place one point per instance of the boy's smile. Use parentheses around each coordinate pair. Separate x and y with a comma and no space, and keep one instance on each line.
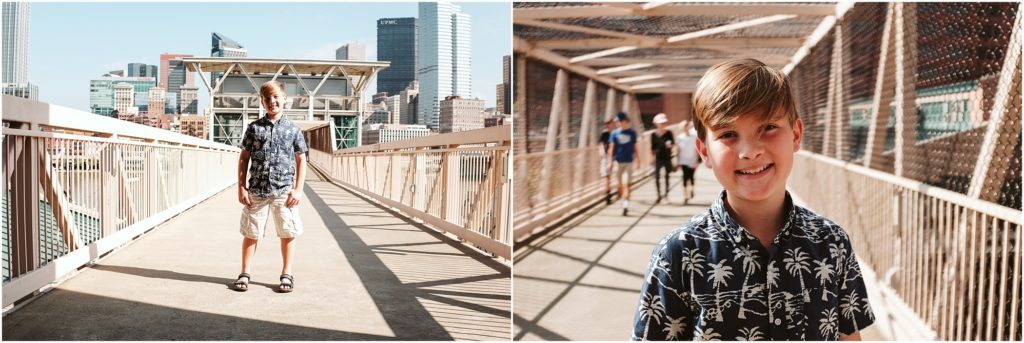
(752,158)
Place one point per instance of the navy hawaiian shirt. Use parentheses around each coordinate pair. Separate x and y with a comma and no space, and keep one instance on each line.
(712,280)
(272,148)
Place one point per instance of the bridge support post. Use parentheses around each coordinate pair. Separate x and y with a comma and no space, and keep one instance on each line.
(586,135)
(884,88)
(906,81)
(1003,126)
(558,106)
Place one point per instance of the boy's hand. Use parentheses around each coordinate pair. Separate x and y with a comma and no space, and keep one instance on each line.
(243,197)
(293,199)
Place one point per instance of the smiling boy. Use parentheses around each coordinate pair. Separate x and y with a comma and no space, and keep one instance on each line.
(273,161)
(754,266)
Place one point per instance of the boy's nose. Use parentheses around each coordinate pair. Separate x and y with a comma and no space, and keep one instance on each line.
(750,150)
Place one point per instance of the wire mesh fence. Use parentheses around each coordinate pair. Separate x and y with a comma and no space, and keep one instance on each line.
(927,96)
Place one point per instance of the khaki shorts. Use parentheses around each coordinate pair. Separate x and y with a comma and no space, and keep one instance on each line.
(624,168)
(254,218)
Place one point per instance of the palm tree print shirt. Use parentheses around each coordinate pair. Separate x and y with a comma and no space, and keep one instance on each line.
(712,280)
(272,148)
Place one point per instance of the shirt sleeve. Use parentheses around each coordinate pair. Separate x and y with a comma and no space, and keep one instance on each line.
(248,139)
(299,145)
(854,310)
(662,313)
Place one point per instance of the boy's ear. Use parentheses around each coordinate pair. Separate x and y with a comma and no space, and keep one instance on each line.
(798,134)
(702,149)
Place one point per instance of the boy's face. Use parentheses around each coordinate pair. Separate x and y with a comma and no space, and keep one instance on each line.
(752,158)
(274,104)
(624,124)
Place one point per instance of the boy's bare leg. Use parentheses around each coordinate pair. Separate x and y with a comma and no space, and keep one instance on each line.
(287,251)
(248,250)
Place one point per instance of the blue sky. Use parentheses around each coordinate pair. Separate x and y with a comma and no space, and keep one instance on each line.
(72,43)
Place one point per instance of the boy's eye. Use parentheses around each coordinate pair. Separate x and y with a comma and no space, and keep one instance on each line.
(771,127)
(725,135)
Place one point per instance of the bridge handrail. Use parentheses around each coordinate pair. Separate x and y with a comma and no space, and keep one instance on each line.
(68,199)
(951,259)
(35,115)
(456,182)
(579,183)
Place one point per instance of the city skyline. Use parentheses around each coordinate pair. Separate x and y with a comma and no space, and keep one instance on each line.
(70,88)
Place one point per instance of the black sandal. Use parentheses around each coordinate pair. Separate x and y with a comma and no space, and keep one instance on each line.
(286,287)
(240,285)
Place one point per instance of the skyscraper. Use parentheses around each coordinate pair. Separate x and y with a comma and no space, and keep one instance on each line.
(15,51)
(102,92)
(506,81)
(396,43)
(173,75)
(351,51)
(444,57)
(222,46)
(15,45)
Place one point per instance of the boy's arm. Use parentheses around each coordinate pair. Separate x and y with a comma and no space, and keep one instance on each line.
(300,178)
(243,171)
(611,148)
(300,149)
(855,312)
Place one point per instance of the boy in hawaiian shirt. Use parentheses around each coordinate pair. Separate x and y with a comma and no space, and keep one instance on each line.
(754,266)
(273,156)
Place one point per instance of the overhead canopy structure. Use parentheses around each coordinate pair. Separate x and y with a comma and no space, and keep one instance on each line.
(252,66)
(661,47)
(326,91)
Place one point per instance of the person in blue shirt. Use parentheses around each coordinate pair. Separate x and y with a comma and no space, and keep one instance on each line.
(274,159)
(754,266)
(622,149)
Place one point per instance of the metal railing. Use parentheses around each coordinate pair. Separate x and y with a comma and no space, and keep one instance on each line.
(456,182)
(77,185)
(953,260)
(573,181)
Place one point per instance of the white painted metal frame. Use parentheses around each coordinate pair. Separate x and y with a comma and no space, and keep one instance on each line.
(113,174)
(457,183)
(620,42)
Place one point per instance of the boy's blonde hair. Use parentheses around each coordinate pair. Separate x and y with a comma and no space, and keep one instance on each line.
(738,87)
(269,88)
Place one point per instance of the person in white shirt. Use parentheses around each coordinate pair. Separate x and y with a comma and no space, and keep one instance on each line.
(688,158)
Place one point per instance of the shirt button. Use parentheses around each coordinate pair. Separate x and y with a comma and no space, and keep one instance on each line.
(778,321)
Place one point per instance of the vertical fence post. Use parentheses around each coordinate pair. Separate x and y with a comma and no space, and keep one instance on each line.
(906,80)
(883,92)
(557,105)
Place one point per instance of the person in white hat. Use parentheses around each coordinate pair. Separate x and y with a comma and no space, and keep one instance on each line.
(662,146)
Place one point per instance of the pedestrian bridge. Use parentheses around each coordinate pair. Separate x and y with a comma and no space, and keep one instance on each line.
(912,143)
(118,231)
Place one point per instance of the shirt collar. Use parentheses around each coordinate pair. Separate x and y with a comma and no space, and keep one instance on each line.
(266,120)
(737,232)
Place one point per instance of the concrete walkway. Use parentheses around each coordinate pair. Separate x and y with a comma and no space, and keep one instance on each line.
(361,272)
(581,281)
